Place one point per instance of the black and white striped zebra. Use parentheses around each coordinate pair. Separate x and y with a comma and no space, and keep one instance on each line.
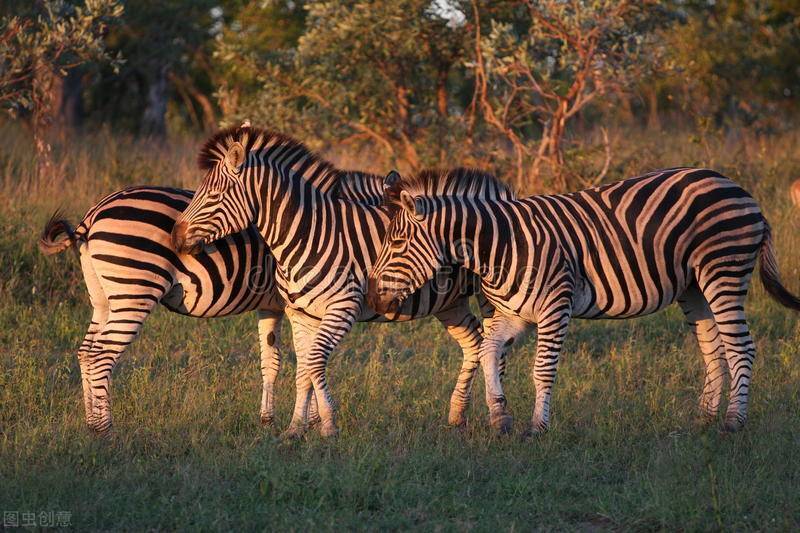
(622,250)
(129,266)
(324,245)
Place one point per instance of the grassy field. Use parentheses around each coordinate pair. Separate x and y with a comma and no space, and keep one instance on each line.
(624,451)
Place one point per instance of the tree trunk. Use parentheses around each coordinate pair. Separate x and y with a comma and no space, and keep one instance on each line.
(46,91)
(72,99)
(555,147)
(441,94)
(155,112)
(209,117)
(402,108)
(653,121)
(441,108)
(625,108)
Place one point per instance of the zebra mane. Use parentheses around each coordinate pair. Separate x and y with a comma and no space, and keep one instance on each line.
(362,187)
(460,182)
(326,176)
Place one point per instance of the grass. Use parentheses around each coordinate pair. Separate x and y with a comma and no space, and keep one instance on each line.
(623,453)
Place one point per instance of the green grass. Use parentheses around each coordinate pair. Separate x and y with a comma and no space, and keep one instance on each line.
(623,452)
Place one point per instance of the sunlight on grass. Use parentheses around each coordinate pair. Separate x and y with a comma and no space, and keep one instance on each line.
(624,450)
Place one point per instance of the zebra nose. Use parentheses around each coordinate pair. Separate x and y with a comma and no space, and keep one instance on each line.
(383,304)
(374,299)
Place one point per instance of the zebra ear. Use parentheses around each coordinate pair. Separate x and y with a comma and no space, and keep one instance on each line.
(391,191)
(391,180)
(234,159)
(414,206)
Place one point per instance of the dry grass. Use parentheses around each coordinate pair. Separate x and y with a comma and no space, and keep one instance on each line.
(623,451)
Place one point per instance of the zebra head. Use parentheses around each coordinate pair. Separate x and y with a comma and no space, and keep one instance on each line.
(220,206)
(411,253)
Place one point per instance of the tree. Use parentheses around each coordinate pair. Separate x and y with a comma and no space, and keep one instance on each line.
(373,72)
(38,50)
(257,33)
(737,60)
(167,45)
(536,70)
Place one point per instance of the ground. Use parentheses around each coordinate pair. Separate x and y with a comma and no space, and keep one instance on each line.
(624,450)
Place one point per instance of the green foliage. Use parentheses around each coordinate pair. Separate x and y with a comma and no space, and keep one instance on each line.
(737,59)
(52,38)
(167,46)
(511,85)
(542,65)
(258,31)
(378,72)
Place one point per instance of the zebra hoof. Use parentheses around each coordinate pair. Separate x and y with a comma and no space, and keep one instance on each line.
(457,419)
(293,433)
(314,420)
(733,423)
(535,430)
(329,430)
(460,426)
(267,420)
(502,424)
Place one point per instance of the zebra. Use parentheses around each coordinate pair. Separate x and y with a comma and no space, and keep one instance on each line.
(324,246)
(131,255)
(128,264)
(621,250)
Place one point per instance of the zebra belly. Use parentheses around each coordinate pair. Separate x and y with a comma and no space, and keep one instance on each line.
(590,302)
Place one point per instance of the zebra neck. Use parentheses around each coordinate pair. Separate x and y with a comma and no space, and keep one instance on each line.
(296,220)
(292,185)
(479,239)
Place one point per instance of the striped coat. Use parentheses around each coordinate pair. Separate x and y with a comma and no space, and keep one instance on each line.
(324,245)
(129,267)
(622,250)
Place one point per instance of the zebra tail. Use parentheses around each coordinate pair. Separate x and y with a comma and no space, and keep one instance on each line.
(48,242)
(770,276)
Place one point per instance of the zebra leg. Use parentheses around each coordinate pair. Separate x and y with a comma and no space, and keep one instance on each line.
(334,325)
(313,412)
(725,292)
(502,332)
(84,354)
(269,323)
(701,320)
(740,353)
(302,335)
(550,335)
(120,330)
(487,313)
(464,327)
(99,316)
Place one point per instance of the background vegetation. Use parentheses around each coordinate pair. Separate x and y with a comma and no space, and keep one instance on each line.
(126,95)
(533,89)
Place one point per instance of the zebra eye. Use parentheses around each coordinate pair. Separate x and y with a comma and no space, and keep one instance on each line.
(398,243)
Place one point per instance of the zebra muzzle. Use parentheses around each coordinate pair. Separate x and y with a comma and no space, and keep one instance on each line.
(383,302)
(182,242)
